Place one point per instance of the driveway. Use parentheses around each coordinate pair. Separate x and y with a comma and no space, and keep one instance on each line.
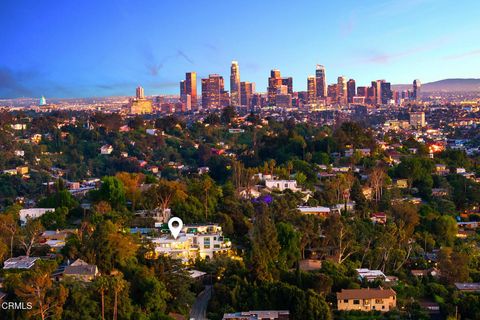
(199,308)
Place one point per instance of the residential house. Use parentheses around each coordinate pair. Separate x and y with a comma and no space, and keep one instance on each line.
(468,286)
(378,217)
(194,241)
(367,192)
(366,299)
(80,270)
(401,183)
(310,264)
(21,262)
(22,170)
(18,126)
(439,192)
(370,275)
(318,210)
(425,272)
(441,169)
(106,149)
(56,239)
(282,185)
(33,213)
(258,315)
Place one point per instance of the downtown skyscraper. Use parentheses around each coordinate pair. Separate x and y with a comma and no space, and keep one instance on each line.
(213,93)
(311,90)
(350,90)
(275,83)
(247,89)
(321,82)
(416,89)
(234,84)
(342,90)
(188,89)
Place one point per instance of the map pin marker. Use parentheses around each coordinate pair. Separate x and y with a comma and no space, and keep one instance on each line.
(175,225)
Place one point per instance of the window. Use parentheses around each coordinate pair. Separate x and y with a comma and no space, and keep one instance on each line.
(356,301)
(206,243)
(378,301)
(345,300)
(383,307)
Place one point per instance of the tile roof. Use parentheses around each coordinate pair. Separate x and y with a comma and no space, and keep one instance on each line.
(365,293)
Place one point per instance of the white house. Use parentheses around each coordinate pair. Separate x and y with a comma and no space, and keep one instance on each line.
(33,213)
(106,149)
(318,210)
(194,241)
(19,126)
(370,275)
(282,185)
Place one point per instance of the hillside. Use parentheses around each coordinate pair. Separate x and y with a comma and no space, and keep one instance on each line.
(446,85)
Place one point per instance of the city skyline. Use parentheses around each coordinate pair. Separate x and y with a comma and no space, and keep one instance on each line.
(61,49)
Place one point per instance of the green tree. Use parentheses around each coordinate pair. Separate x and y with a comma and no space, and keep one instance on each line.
(112,191)
(30,235)
(265,246)
(446,230)
(46,297)
(81,303)
(289,240)
(61,198)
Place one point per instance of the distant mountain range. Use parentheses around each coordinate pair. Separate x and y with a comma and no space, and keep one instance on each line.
(446,85)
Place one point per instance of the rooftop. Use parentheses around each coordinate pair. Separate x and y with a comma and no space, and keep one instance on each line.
(468,286)
(366,293)
(21,262)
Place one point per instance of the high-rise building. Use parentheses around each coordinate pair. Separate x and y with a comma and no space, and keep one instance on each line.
(140,105)
(350,90)
(183,90)
(288,82)
(140,93)
(332,93)
(342,90)
(275,81)
(362,91)
(386,92)
(372,93)
(258,101)
(191,87)
(247,89)
(234,84)
(224,98)
(283,100)
(213,91)
(43,101)
(417,119)
(378,91)
(417,85)
(321,82)
(311,90)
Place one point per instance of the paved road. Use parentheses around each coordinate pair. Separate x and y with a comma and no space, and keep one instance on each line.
(199,308)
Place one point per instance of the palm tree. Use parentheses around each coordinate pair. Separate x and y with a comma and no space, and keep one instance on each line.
(102,284)
(118,285)
(271,166)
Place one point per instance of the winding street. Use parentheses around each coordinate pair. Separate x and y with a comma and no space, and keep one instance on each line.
(199,308)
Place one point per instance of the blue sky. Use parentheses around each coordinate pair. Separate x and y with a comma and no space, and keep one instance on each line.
(61,48)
